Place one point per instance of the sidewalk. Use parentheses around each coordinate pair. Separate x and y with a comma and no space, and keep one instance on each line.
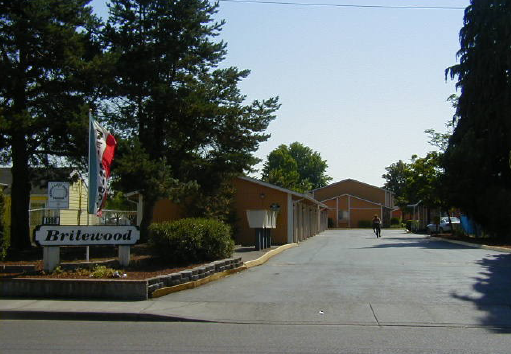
(149,310)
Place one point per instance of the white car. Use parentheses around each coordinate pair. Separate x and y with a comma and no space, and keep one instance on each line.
(444,225)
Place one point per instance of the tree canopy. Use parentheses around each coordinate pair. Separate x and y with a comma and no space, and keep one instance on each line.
(152,71)
(48,51)
(396,181)
(419,180)
(296,167)
(476,161)
(183,119)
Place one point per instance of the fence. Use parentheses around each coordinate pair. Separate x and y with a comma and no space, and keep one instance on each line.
(119,217)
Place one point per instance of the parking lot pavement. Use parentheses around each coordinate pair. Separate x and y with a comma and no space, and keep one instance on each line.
(343,277)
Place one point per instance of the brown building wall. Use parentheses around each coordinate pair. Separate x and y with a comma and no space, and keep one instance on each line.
(358,215)
(255,196)
(363,210)
(348,211)
(306,217)
(249,196)
(165,210)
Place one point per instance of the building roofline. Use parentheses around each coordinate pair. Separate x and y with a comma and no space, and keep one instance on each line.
(354,180)
(284,190)
(354,196)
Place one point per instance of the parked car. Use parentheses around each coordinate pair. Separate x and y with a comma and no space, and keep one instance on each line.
(444,225)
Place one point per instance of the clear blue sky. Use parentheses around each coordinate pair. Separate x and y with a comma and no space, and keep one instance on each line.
(358,85)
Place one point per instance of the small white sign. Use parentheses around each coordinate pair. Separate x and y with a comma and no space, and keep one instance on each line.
(58,195)
(54,235)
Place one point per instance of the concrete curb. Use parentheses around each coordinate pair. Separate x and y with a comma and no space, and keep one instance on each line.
(474,245)
(92,316)
(249,264)
(95,315)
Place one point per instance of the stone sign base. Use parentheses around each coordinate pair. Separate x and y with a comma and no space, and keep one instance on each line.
(51,257)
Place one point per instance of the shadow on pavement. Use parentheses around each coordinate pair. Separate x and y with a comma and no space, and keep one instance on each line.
(494,286)
(493,283)
(417,242)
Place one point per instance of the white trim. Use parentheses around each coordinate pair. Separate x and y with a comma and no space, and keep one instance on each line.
(375,208)
(336,212)
(290,219)
(354,196)
(349,211)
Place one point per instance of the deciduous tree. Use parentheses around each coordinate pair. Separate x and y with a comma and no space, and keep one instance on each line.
(296,167)
(395,181)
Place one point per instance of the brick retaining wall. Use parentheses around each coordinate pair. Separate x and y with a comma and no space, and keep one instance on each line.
(115,289)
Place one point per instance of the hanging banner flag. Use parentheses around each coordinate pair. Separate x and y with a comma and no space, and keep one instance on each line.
(101,153)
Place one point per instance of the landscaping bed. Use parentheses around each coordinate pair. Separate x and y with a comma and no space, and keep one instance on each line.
(143,264)
(487,241)
(102,278)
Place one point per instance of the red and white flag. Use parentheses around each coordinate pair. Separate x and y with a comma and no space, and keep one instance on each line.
(101,153)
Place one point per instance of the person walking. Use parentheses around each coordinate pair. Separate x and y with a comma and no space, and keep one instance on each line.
(377,226)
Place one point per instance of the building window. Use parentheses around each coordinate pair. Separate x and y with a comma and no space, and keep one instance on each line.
(343,215)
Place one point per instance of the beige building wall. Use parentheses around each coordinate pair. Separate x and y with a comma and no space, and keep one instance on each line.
(77,212)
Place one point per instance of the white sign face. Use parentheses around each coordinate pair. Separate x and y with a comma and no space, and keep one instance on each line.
(54,235)
(58,195)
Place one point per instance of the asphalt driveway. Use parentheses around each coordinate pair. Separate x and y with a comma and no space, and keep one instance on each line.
(350,277)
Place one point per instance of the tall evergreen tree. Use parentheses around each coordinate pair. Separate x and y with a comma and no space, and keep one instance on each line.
(46,49)
(476,160)
(296,167)
(182,118)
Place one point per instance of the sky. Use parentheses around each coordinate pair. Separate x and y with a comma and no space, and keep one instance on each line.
(358,85)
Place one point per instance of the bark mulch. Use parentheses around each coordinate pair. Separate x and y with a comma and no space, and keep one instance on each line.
(143,264)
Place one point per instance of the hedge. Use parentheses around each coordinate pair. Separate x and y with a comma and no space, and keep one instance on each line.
(191,240)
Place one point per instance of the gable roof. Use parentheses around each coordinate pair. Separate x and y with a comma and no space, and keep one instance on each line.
(284,190)
(356,197)
(351,180)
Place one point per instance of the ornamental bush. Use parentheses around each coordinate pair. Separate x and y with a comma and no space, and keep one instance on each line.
(191,240)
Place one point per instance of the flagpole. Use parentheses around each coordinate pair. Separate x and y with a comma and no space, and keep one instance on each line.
(87,251)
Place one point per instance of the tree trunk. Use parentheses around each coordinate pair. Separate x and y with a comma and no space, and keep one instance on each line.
(147,218)
(20,195)
(450,222)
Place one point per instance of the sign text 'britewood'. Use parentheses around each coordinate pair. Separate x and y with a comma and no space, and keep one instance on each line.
(49,235)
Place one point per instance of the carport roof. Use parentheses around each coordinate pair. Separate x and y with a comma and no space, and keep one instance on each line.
(284,190)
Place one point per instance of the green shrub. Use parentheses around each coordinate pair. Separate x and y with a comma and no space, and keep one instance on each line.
(100,271)
(365,223)
(394,221)
(191,240)
(412,225)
